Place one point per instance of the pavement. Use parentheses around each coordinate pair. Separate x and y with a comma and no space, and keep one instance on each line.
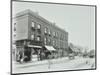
(31,63)
(54,65)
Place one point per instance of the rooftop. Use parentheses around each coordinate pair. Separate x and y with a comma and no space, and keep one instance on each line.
(36,14)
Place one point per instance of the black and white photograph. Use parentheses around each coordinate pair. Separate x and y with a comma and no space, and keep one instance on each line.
(52,37)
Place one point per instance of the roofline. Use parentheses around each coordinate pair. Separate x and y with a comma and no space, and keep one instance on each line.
(28,11)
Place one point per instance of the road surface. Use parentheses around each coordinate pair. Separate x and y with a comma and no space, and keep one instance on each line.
(56,65)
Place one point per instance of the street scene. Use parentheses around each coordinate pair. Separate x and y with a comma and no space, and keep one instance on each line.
(44,40)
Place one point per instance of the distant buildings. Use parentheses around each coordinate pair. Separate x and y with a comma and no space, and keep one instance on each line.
(33,34)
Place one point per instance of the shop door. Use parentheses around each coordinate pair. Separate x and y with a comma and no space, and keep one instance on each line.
(27,54)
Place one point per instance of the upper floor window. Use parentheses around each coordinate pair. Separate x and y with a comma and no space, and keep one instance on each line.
(45,30)
(14,35)
(57,34)
(32,37)
(49,32)
(61,37)
(38,38)
(45,41)
(54,33)
(53,42)
(33,24)
(38,26)
(57,43)
(14,23)
(66,38)
(49,40)
(14,28)
(60,44)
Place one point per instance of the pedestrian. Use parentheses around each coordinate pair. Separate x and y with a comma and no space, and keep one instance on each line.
(20,57)
(38,55)
(87,62)
(92,65)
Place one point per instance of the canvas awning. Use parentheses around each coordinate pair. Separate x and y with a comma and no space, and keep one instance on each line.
(50,48)
(34,46)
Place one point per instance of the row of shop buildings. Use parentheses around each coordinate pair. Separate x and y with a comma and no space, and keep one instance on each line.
(34,35)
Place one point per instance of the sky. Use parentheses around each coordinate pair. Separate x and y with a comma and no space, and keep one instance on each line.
(78,21)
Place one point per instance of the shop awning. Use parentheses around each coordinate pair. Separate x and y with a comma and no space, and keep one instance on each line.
(34,46)
(50,48)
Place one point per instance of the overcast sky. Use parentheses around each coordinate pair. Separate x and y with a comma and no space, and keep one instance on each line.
(78,21)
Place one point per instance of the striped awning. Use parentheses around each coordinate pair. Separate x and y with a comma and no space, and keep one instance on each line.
(34,46)
(50,48)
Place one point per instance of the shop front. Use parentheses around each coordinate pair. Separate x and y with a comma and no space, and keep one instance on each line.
(28,53)
(35,52)
(50,52)
(19,53)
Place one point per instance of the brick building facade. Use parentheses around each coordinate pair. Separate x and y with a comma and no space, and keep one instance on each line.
(29,28)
